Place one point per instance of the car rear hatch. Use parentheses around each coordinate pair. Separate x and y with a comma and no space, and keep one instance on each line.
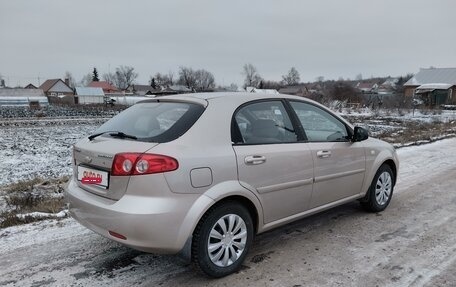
(131,134)
(94,159)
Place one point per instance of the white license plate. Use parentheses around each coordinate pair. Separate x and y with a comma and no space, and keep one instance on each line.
(93,176)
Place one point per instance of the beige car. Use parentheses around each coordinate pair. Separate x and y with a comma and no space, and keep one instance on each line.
(201,174)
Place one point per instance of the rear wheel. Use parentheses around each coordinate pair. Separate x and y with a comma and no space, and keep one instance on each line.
(222,239)
(381,190)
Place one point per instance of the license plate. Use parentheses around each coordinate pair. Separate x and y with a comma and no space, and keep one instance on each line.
(93,176)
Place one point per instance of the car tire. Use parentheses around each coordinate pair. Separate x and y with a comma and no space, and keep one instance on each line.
(380,191)
(222,239)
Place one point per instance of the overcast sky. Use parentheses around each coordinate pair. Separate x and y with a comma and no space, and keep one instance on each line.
(44,38)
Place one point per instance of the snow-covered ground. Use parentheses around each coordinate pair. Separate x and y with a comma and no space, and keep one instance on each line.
(40,148)
(412,243)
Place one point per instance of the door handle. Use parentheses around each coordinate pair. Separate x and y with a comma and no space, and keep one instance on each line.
(323,153)
(255,159)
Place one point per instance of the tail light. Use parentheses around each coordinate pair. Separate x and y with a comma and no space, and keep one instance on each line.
(142,163)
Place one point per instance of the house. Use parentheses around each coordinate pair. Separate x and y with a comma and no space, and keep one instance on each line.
(435,86)
(388,87)
(299,90)
(33,98)
(178,89)
(366,87)
(58,91)
(143,90)
(30,86)
(89,95)
(106,86)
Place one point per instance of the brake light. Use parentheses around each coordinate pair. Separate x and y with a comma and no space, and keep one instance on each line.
(125,164)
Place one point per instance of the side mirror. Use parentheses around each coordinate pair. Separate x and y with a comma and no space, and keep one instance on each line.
(360,134)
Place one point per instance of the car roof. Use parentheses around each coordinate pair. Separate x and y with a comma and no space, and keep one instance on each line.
(234,96)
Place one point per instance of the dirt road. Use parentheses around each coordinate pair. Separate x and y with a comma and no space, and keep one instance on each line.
(412,243)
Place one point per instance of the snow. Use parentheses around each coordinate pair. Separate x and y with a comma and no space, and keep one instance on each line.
(40,151)
(38,215)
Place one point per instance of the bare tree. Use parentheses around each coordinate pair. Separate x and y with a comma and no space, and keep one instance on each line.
(125,76)
(200,80)
(187,77)
(292,77)
(204,80)
(359,77)
(86,80)
(110,78)
(252,77)
(320,79)
(163,79)
(70,78)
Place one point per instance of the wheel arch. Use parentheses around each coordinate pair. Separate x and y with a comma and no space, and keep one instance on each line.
(217,195)
(393,167)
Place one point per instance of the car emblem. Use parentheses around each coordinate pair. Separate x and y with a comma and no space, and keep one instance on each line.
(88,159)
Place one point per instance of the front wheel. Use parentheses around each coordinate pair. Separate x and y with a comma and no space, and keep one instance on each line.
(381,190)
(222,239)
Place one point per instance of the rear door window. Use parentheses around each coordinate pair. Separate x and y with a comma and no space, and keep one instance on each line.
(264,122)
(155,121)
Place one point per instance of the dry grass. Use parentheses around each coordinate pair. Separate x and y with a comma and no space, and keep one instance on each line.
(414,131)
(23,185)
(35,195)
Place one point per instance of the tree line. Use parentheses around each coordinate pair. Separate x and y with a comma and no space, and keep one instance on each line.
(194,79)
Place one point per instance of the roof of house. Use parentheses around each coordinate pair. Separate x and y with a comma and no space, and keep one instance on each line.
(89,91)
(48,84)
(20,92)
(365,85)
(141,87)
(102,84)
(433,75)
(437,86)
(31,86)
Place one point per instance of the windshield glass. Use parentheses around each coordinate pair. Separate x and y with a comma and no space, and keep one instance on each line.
(154,121)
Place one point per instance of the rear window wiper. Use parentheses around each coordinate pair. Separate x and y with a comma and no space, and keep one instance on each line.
(113,134)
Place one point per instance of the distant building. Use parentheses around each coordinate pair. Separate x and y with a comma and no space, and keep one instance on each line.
(387,87)
(89,95)
(366,87)
(176,89)
(58,91)
(31,86)
(143,90)
(435,86)
(107,87)
(33,98)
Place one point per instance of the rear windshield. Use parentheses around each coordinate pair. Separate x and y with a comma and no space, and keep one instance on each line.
(154,121)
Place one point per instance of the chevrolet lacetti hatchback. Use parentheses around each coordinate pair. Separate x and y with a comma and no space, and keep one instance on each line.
(201,174)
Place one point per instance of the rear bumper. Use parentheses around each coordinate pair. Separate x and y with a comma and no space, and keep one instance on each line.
(158,224)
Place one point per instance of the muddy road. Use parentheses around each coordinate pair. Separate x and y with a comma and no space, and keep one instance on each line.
(412,243)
